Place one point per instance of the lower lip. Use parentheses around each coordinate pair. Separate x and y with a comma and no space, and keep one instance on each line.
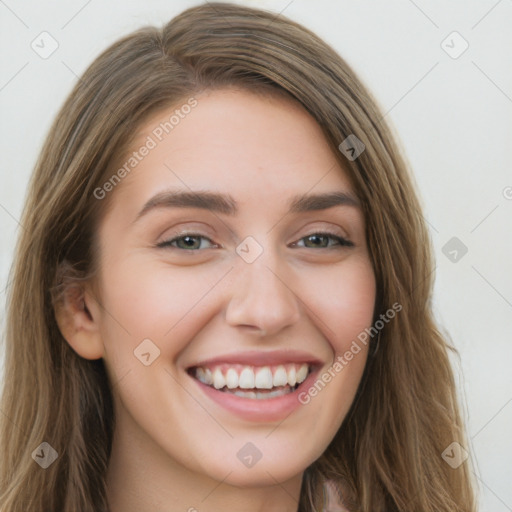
(258,410)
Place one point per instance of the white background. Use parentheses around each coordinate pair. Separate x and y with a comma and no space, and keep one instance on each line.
(453,117)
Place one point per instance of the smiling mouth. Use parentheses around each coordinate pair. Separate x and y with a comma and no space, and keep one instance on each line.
(254,382)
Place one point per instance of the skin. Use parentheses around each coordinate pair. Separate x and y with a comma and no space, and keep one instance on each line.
(174,448)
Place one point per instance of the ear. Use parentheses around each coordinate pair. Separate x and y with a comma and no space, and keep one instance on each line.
(78,314)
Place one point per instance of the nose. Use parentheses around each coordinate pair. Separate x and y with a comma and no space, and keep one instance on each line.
(262,298)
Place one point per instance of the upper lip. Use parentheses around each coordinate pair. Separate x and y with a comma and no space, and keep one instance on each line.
(261,358)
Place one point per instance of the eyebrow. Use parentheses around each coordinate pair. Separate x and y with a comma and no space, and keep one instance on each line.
(224,203)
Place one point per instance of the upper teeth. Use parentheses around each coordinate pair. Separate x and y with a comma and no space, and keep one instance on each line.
(252,377)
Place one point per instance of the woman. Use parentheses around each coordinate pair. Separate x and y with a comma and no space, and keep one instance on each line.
(230,281)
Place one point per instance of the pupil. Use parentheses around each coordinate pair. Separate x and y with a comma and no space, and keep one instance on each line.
(189,240)
(315,238)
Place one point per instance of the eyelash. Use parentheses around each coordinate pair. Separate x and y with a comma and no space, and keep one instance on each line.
(342,242)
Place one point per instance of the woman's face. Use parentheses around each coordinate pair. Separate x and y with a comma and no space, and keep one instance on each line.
(224,278)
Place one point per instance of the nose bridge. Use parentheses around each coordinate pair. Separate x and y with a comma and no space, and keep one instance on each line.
(260,295)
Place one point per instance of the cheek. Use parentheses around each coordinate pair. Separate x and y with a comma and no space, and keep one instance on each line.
(343,301)
(150,300)
(344,307)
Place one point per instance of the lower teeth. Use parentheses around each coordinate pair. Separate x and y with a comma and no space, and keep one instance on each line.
(259,395)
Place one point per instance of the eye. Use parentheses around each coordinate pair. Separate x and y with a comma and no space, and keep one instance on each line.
(321,241)
(191,241)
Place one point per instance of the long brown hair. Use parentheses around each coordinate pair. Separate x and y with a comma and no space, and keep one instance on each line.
(388,451)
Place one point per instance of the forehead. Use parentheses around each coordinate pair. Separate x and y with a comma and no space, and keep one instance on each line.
(250,145)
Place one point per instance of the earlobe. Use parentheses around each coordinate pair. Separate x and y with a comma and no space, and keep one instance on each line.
(78,320)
